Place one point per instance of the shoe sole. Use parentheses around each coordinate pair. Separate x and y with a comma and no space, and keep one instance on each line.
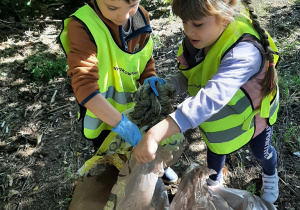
(170,182)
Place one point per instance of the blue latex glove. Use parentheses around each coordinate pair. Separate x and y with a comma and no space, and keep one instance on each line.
(152,80)
(128,131)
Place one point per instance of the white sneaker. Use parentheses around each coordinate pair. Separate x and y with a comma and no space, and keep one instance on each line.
(213,183)
(269,190)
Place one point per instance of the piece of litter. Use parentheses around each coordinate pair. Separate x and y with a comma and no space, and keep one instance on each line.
(38,138)
(297,154)
(12,193)
(10,180)
(53,97)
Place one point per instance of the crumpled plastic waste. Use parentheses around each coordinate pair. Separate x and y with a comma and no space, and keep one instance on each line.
(139,185)
(193,193)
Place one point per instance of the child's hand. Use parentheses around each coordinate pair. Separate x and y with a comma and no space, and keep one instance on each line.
(128,131)
(145,150)
(147,147)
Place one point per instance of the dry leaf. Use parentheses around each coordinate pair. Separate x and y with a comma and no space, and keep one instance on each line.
(38,138)
(10,180)
(12,193)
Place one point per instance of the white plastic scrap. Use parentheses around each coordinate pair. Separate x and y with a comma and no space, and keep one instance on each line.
(297,153)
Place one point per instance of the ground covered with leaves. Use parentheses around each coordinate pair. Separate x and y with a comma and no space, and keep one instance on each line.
(41,146)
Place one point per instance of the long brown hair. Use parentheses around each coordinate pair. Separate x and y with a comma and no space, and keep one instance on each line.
(270,81)
(195,9)
(223,9)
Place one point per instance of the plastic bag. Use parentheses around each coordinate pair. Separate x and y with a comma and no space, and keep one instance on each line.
(193,193)
(242,199)
(139,185)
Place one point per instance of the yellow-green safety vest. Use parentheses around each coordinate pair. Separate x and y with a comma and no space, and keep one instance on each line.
(233,126)
(119,71)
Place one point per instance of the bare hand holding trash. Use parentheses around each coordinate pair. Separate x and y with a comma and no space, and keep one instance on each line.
(145,151)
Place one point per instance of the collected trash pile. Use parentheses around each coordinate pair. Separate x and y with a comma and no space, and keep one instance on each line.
(139,186)
(193,193)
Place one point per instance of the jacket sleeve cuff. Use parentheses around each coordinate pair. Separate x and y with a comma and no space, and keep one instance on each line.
(89,98)
(181,120)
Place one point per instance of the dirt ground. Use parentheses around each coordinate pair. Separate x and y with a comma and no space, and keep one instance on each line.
(41,146)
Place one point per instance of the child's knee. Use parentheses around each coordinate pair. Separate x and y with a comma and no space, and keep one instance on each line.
(264,154)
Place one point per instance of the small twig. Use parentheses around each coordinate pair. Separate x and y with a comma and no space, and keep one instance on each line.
(289,186)
(44,21)
(24,185)
(32,21)
(233,157)
(187,158)
(53,97)
(53,110)
(54,4)
(37,113)
(58,108)
(3,21)
(16,29)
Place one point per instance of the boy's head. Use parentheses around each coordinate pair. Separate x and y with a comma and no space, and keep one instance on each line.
(118,11)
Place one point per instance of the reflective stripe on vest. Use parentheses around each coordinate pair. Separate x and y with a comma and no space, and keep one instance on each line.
(274,107)
(234,125)
(119,71)
(121,98)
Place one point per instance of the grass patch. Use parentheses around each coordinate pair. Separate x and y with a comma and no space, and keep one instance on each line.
(158,43)
(287,128)
(46,66)
(251,188)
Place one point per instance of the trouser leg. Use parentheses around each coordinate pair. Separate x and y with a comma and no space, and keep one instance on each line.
(100,139)
(262,150)
(216,162)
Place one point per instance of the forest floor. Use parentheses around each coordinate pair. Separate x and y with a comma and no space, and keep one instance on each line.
(41,146)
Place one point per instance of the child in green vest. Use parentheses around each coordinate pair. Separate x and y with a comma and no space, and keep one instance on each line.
(109,52)
(227,64)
